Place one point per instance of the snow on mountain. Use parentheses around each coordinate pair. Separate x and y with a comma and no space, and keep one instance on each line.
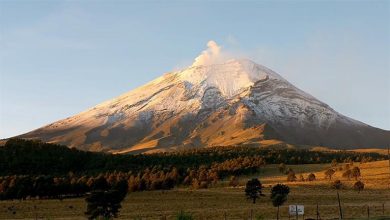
(214,102)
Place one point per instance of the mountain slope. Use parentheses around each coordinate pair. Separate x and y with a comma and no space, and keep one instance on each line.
(236,102)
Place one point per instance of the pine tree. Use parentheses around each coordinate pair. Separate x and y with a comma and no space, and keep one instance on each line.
(279,195)
(253,190)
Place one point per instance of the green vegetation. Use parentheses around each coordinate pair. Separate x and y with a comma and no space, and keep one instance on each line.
(253,189)
(279,194)
(183,216)
(106,203)
(31,157)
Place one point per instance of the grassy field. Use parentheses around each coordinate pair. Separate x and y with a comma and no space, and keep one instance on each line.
(218,201)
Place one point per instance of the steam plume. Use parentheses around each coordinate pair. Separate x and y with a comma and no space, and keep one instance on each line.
(212,55)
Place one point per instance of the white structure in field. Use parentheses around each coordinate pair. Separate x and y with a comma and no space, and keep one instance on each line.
(294,209)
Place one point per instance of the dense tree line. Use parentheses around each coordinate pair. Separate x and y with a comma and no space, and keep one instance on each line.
(25,157)
(49,187)
(35,169)
(154,178)
(20,156)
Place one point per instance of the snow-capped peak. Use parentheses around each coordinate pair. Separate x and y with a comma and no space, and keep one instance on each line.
(229,77)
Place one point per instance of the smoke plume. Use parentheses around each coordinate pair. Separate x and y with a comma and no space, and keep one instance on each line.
(212,55)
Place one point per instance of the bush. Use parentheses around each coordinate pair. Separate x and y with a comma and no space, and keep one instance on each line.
(282,168)
(291,176)
(329,173)
(337,184)
(356,173)
(104,204)
(311,177)
(347,174)
(184,216)
(359,186)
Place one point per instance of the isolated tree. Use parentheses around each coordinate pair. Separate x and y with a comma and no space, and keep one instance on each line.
(347,174)
(337,184)
(311,177)
(106,203)
(253,189)
(359,186)
(282,168)
(329,173)
(347,166)
(355,173)
(291,176)
(103,203)
(279,194)
(334,163)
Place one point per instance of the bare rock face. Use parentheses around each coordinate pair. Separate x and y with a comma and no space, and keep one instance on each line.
(237,102)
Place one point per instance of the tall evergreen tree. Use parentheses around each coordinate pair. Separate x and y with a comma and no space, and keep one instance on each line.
(279,195)
(253,189)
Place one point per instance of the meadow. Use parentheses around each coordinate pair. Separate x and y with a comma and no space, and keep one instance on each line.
(221,201)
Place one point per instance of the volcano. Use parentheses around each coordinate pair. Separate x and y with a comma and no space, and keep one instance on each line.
(227,103)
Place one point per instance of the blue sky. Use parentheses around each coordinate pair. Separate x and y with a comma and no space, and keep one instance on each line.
(58,58)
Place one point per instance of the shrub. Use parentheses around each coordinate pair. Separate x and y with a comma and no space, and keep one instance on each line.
(359,186)
(104,203)
(356,172)
(347,174)
(329,173)
(337,184)
(291,176)
(282,168)
(311,177)
(184,216)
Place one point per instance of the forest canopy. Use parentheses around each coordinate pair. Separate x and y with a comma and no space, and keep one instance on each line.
(32,157)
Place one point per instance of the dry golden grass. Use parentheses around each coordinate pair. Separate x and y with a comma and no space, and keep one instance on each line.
(371,150)
(375,175)
(213,203)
